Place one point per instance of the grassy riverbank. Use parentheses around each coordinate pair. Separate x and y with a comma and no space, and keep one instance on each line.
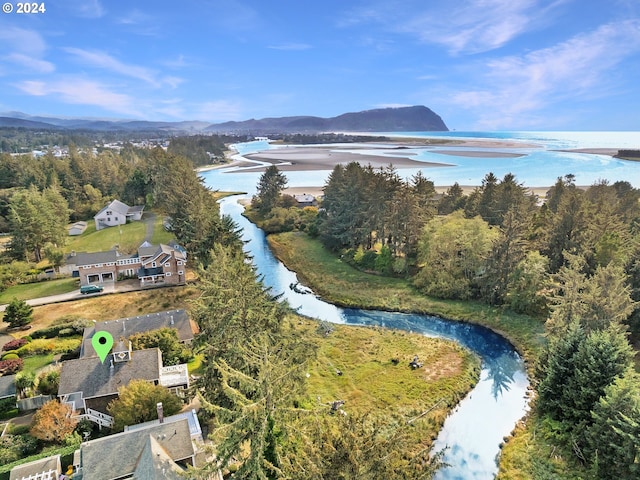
(369,369)
(341,284)
(533,451)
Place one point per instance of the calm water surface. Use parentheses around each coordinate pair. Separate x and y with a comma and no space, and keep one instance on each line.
(476,428)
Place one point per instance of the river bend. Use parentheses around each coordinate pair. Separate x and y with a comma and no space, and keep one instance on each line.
(474,430)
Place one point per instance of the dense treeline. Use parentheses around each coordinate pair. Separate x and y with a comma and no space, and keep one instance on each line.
(39,196)
(574,259)
(203,149)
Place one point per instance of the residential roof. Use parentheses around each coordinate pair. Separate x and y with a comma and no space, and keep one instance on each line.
(96,379)
(135,208)
(125,327)
(32,469)
(190,415)
(83,258)
(155,463)
(125,451)
(305,198)
(115,205)
(7,386)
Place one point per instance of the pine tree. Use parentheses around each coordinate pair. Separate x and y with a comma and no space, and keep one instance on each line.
(18,313)
(270,187)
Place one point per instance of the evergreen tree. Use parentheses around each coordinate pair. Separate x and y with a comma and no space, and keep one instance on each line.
(613,441)
(270,186)
(18,313)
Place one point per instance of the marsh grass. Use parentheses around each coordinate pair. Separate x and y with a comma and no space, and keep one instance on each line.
(343,285)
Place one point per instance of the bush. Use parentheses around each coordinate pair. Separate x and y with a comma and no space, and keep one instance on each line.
(10,356)
(63,329)
(7,404)
(48,382)
(43,346)
(14,344)
(9,367)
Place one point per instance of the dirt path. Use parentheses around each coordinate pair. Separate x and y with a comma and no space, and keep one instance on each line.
(149,221)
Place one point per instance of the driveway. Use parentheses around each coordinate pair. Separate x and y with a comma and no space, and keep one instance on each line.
(119,287)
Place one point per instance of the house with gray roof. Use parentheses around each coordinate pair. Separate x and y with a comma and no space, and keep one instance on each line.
(48,468)
(87,385)
(7,386)
(159,451)
(125,327)
(117,213)
(153,265)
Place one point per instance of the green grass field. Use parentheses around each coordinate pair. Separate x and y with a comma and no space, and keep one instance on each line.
(26,291)
(343,285)
(127,236)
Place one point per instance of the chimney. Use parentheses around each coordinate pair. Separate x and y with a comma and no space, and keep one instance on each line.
(171,322)
(111,368)
(160,413)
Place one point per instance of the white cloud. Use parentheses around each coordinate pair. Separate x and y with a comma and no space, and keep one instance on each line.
(32,64)
(85,8)
(83,92)
(291,46)
(107,62)
(26,49)
(28,42)
(392,105)
(219,111)
(467,26)
(580,68)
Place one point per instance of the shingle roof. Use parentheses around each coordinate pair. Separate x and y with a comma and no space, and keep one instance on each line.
(37,466)
(97,379)
(125,327)
(118,455)
(7,386)
(84,258)
(155,463)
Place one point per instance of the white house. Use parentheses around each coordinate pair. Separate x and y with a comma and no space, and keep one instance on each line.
(117,213)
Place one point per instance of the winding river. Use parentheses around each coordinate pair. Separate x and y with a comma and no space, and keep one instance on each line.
(475,429)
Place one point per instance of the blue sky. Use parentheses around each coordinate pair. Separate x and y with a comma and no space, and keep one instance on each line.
(481,65)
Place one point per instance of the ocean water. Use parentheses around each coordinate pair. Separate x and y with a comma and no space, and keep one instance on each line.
(540,165)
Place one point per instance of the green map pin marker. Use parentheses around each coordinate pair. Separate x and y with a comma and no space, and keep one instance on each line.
(102,343)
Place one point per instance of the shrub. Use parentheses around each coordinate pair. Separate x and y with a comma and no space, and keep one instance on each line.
(75,327)
(48,382)
(10,356)
(14,344)
(43,346)
(9,367)
(7,404)
(53,422)
(18,313)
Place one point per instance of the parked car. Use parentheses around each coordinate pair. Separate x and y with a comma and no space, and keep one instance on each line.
(91,289)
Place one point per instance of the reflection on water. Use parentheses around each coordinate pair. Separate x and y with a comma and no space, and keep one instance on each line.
(474,431)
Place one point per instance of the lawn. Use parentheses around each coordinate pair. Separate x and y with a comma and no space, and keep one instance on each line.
(128,237)
(26,291)
(160,235)
(36,362)
(346,286)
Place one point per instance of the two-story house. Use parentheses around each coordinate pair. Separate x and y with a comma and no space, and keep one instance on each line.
(117,213)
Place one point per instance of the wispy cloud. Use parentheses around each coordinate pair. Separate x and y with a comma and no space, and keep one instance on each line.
(107,62)
(32,64)
(140,23)
(581,68)
(464,27)
(81,91)
(392,105)
(291,46)
(25,48)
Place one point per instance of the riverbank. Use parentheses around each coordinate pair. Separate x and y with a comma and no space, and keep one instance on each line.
(343,285)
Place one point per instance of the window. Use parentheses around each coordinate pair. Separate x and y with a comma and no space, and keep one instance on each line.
(179,263)
(153,265)
(109,213)
(116,219)
(180,272)
(168,274)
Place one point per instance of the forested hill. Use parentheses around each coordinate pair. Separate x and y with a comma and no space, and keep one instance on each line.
(404,119)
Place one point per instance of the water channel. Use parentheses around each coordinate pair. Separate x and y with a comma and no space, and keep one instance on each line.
(474,431)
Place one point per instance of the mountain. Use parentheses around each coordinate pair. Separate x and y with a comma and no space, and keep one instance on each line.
(403,119)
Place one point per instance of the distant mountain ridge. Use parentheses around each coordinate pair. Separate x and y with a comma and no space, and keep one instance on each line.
(402,119)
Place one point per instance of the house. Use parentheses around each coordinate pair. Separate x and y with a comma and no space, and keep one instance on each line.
(125,327)
(77,228)
(192,419)
(48,468)
(305,200)
(117,213)
(153,265)
(152,452)
(87,385)
(7,386)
